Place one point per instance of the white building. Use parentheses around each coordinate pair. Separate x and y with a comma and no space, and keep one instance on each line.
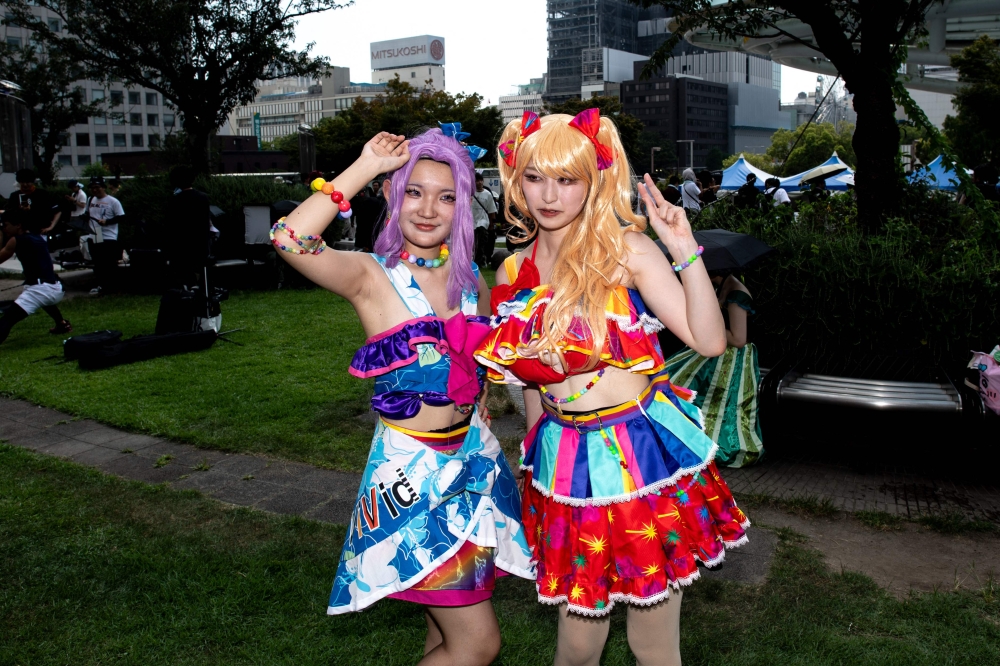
(527,98)
(134,118)
(418,61)
(603,71)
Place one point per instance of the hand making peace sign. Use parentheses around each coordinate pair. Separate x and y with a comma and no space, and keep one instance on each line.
(668,221)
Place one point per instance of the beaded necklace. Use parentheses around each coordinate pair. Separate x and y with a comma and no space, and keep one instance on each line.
(427,263)
(575,396)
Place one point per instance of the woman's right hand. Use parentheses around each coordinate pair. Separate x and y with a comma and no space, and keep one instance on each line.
(385,152)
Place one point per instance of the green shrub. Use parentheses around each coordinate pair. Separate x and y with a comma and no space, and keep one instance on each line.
(925,286)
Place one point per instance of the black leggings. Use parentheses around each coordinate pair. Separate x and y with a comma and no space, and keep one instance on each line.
(16,314)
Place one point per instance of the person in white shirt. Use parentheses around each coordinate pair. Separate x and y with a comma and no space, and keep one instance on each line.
(78,200)
(775,192)
(690,193)
(105,210)
(484,211)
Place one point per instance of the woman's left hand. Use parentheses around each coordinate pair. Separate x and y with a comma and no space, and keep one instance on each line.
(668,221)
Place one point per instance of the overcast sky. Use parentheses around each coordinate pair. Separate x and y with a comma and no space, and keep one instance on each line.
(489,46)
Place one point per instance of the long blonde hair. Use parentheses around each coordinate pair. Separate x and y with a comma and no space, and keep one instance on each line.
(587,267)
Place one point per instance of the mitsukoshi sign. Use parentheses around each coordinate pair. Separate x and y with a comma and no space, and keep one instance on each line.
(408,52)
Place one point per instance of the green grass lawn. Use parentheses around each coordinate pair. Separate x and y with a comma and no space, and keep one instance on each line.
(286,392)
(97,570)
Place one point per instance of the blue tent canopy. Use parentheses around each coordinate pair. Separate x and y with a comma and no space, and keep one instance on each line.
(938,175)
(735,176)
(836,183)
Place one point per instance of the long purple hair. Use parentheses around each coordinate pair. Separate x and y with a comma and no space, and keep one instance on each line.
(434,145)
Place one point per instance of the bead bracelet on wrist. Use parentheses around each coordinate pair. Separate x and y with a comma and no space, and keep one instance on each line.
(691,260)
(320,185)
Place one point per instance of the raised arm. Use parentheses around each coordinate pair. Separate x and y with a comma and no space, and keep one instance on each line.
(687,307)
(341,272)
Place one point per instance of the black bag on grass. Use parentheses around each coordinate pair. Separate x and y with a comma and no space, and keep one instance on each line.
(145,347)
(185,310)
(87,344)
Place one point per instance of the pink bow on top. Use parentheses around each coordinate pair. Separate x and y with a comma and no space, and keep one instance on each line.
(589,122)
(508,149)
(463,337)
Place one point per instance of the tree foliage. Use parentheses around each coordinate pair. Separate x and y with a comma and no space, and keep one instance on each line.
(815,146)
(203,56)
(973,132)
(47,78)
(864,41)
(759,160)
(401,110)
(630,128)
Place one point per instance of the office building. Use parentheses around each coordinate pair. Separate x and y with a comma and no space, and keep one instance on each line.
(133,117)
(578,25)
(681,109)
(527,98)
(603,70)
(418,61)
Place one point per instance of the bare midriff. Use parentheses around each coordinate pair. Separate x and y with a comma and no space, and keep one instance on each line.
(615,387)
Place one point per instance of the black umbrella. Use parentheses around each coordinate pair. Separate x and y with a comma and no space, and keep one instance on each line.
(727,250)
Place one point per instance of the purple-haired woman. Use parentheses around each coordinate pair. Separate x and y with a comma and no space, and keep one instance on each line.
(438,511)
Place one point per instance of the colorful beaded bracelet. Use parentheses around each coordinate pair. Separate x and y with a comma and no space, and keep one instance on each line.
(298,240)
(320,185)
(694,258)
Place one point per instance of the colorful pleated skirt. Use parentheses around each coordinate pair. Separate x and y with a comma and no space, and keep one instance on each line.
(623,503)
(725,390)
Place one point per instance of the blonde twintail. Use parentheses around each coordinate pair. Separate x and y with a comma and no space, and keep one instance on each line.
(591,260)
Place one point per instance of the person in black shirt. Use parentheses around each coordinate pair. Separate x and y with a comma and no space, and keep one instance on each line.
(29,204)
(189,235)
(42,288)
(747,195)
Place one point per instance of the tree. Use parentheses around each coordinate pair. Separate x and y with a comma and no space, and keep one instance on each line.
(203,56)
(713,161)
(974,133)
(812,147)
(46,78)
(630,128)
(865,41)
(401,110)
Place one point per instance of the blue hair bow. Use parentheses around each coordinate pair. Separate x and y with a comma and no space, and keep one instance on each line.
(454,130)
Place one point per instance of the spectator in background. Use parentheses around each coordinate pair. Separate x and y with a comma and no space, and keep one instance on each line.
(484,213)
(746,196)
(114,185)
(105,213)
(672,192)
(817,191)
(28,201)
(78,200)
(42,288)
(690,194)
(367,210)
(189,228)
(708,187)
(774,192)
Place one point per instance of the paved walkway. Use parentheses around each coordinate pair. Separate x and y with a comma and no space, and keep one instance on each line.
(296,488)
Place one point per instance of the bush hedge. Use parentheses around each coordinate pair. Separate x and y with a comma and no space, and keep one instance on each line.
(924,286)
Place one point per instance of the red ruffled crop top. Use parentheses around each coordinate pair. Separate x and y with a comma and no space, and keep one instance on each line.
(518,308)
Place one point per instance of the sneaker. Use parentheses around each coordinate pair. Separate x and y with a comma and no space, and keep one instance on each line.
(96,291)
(61,328)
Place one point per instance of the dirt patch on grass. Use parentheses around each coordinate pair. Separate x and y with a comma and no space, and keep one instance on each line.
(900,556)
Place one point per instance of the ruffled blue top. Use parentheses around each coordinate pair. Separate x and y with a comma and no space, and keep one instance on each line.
(411,362)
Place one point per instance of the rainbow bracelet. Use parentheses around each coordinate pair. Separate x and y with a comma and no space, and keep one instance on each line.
(694,258)
(298,240)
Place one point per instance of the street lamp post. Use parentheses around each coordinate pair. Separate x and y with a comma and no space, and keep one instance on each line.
(690,142)
(652,161)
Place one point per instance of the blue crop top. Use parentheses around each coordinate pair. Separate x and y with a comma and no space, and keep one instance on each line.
(412,362)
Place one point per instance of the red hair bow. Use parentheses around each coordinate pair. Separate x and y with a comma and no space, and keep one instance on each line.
(529,125)
(589,122)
